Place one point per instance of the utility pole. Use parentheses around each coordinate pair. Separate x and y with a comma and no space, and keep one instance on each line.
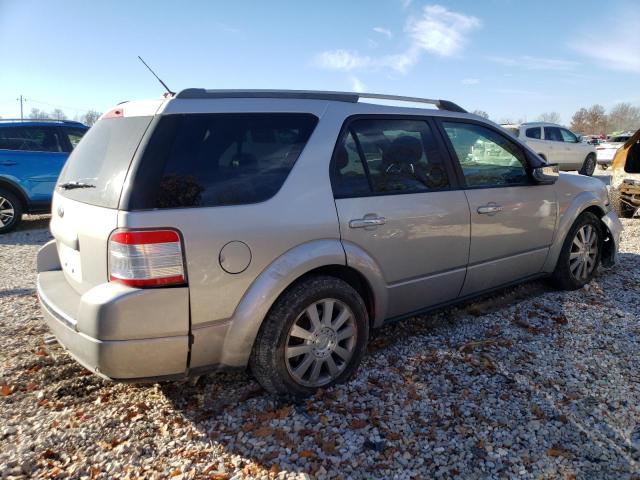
(21,100)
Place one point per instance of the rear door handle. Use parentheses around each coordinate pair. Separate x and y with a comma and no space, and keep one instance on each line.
(490,209)
(367,222)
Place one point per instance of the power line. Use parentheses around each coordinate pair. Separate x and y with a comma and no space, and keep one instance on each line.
(61,106)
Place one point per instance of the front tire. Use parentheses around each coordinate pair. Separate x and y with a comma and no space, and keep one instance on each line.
(314,336)
(10,211)
(589,165)
(580,255)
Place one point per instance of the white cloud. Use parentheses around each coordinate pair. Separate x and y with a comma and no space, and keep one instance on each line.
(344,60)
(383,31)
(406,3)
(528,62)
(356,84)
(437,31)
(470,81)
(441,31)
(619,49)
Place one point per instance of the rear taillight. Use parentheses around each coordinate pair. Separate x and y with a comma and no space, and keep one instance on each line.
(600,148)
(146,258)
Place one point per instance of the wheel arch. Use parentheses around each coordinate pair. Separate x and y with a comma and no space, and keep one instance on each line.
(319,257)
(14,188)
(584,202)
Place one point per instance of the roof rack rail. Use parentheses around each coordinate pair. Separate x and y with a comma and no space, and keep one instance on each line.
(18,120)
(351,97)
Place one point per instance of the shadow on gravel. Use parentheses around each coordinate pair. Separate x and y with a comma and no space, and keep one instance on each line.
(17,292)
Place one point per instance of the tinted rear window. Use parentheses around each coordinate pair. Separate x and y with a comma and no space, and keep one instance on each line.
(203,160)
(102,159)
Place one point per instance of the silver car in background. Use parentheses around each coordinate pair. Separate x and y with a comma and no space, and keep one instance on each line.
(557,144)
(221,229)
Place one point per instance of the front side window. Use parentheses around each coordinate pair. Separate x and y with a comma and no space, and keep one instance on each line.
(225,159)
(553,134)
(567,136)
(31,139)
(487,158)
(395,156)
(74,135)
(534,132)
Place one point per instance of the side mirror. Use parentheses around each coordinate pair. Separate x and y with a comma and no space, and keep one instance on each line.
(546,174)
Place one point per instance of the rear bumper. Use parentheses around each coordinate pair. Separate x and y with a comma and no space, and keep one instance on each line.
(118,332)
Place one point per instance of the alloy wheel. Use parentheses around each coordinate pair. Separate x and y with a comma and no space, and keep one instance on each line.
(584,252)
(7,212)
(321,342)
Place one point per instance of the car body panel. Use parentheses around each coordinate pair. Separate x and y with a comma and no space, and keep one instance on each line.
(513,241)
(416,224)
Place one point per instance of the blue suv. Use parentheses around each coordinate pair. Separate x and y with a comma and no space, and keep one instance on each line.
(32,153)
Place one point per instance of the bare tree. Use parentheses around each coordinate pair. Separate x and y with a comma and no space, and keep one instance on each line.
(550,117)
(58,114)
(624,116)
(91,117)
(590,121)
(481,113)
(37,114)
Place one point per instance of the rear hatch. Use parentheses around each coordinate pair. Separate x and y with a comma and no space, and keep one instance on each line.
(87,195)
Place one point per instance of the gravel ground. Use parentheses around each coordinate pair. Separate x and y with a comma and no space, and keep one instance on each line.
(531,383)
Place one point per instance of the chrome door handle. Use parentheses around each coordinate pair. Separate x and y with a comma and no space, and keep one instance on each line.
(489,209)
(367,222)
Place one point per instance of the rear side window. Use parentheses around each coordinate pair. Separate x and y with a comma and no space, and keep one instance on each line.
(31,139)
(553,134)
(206,160)
(102,159)
(535,132)
(381,156)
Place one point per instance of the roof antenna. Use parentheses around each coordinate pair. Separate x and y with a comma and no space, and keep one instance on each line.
(154,74)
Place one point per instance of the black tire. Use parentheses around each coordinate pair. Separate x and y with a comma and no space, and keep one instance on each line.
(268,361)
(563,278)
(589,165)
(622,210)
(11,205)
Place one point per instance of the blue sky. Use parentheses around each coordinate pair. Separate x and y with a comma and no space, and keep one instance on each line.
(512,58)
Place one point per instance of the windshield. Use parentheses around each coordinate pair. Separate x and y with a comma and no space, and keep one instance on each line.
(101,160)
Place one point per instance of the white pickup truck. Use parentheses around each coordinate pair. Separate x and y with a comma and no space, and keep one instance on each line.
(556,144)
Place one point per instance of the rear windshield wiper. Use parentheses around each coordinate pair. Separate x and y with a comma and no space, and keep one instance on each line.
(74,185)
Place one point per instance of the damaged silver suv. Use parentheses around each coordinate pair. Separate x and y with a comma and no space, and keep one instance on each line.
(274,229)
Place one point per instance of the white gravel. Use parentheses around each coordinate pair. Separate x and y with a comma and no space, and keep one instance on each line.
(531,383)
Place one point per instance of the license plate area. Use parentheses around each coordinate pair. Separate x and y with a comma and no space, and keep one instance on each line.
(70,261)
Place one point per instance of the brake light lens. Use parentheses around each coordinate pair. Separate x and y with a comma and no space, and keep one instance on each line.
(600,148)
(146,258)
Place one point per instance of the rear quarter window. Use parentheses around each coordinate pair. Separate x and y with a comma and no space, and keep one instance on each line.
(205,160)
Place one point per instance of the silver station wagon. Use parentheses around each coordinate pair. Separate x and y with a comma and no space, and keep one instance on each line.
(220,229)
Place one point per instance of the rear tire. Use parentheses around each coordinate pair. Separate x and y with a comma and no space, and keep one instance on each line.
(580,255)
(298,351)
(10,211)
(589,165)
(621,209)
